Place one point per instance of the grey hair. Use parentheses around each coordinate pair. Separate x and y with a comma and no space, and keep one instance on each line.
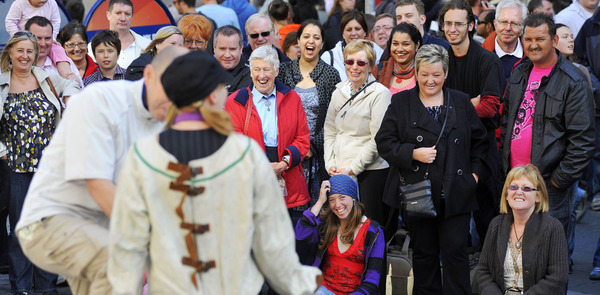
(430,54)
(511,4)
(266,53)
(256,17)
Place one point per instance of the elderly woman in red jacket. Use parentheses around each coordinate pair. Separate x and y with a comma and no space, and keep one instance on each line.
(272,114)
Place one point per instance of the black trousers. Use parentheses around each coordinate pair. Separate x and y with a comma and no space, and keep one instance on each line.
(445,236)
(370,188)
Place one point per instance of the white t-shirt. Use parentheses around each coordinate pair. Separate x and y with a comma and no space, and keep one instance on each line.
(91,142)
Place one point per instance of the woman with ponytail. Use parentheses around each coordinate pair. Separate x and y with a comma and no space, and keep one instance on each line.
(198,206)
(348,246)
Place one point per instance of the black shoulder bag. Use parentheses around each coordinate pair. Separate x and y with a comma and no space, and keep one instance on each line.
(416,198)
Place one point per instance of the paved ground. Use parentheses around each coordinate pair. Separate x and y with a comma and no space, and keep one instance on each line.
(587,233)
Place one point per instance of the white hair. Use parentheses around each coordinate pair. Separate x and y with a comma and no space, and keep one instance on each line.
(512,4)
(256,17)
(266,53)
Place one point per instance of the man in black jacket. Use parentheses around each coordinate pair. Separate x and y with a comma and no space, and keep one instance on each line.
(228,52)
(549,112)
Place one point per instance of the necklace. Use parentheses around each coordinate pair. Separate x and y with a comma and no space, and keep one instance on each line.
(518,243)
(403,75)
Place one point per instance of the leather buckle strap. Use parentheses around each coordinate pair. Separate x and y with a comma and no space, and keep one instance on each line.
(189,190)
(200,266)
(186,171)
(196,228)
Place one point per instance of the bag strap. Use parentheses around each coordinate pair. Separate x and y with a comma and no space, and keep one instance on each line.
(355,94)
(248,113)
(55,93)
(436,142)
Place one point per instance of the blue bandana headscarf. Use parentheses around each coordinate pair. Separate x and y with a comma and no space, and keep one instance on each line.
(345,185)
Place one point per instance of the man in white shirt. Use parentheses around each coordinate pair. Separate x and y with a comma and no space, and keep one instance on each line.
(120,14)
(575,14)
(64,222)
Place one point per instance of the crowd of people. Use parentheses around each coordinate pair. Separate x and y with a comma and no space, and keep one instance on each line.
(246,151)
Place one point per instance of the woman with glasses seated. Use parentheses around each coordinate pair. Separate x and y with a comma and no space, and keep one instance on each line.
(74,39)
(165,37)
(525,250)
(355,112)
(354,27)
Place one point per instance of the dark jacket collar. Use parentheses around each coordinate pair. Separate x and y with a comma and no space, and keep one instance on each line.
(420,117)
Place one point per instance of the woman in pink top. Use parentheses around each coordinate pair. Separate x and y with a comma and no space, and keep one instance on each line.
(396,71)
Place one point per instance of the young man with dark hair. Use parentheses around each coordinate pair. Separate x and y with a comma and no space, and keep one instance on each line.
(106,47)
(543,6)
(477,72)
(549,111)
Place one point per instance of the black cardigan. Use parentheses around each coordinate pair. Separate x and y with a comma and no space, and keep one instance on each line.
(545,256)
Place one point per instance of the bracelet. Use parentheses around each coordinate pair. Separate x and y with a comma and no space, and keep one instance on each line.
(286,162)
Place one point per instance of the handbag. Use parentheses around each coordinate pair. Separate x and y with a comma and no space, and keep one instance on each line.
(416,198)
(399,278)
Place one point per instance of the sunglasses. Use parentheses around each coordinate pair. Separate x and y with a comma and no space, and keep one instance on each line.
(264,34)
(23,33)
(525,189)
(360,63)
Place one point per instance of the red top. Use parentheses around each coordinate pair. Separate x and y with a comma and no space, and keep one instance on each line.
(91,66)
(343,271)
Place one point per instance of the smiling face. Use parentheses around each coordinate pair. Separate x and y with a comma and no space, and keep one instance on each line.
(430,78)
(539,46)
(565,41)
(310,43)
(353,31)
(173,40)
(403,49)
(119,18)
(506,29)
(44,35)
(228,51)
(522,201)
(78,48)
(106,56)
(358,75)
(263,76)
(456,26)
(22,55)
(341,205)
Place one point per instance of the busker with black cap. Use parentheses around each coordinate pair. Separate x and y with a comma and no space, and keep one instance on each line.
(199,206)
(63,227)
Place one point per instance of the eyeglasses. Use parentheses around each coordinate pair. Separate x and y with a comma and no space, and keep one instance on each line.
(504,23)
(481,22)
(360,63)
(384,28)
(525,189)
(197,42)
(264,34)
(458,25)
(23,33)
(81,45)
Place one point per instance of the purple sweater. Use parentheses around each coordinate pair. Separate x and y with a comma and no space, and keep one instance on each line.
(307,232)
